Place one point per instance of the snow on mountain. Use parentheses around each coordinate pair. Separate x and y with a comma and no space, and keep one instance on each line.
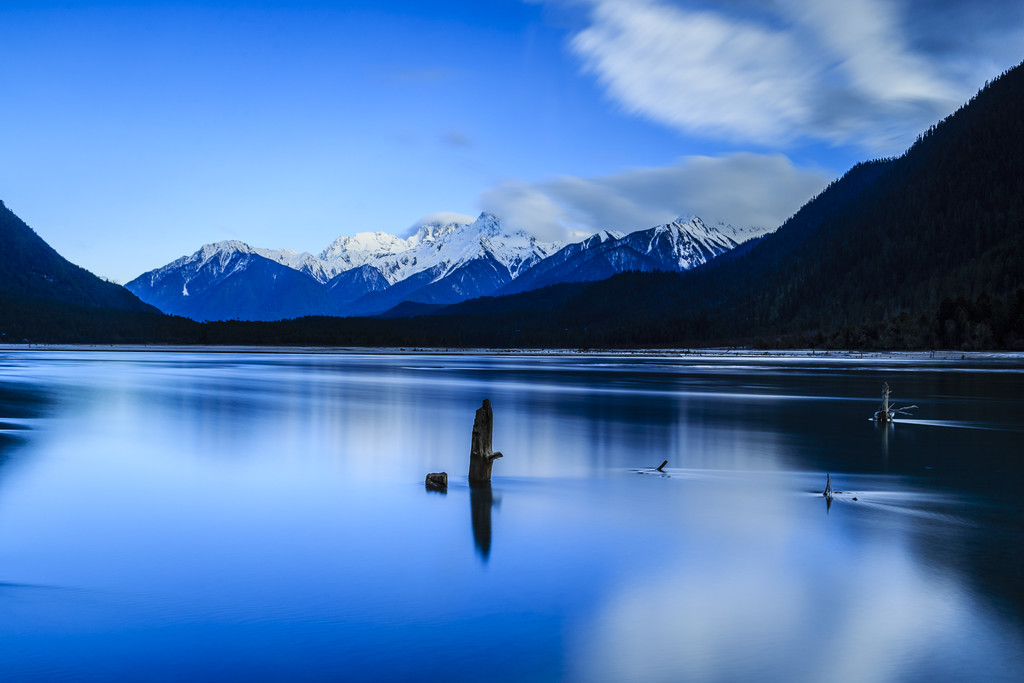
(443,244)
(446,259)
(349,252)
(230,279)
(680,245)
(304,262)
(217,260)
(449,262)
(553,268)
(742,234)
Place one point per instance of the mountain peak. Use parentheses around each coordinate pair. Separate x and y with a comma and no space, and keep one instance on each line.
(225,245)
(224,248)
(438,227)
(356,249)
(488,224)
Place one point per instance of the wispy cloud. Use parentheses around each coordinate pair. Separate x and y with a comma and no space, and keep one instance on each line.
(866,72)
(456,138)
(696,70)
(741,189)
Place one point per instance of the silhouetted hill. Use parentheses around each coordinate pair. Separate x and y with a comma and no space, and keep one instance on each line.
(30,267)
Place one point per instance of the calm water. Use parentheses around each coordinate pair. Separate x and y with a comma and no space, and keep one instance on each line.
(206,516)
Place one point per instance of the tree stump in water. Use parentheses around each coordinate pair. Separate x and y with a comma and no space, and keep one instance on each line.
(481,457)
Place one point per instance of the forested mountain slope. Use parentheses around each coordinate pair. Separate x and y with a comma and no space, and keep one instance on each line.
(29,267)
(925,249)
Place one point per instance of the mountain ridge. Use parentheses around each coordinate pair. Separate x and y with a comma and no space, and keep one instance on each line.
(442,262)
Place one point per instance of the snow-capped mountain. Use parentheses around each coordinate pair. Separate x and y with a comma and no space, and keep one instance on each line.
(348,252)
(553,269)
(229,280)
(304,262)
(450,262)
(685,243)
(444,261)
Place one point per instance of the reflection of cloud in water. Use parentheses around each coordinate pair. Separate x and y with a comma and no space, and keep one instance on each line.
(872,617)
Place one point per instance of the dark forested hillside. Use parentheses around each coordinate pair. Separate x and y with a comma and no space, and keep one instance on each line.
(29,267)
(923,250)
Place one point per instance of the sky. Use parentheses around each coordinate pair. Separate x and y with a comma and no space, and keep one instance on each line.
(134,132)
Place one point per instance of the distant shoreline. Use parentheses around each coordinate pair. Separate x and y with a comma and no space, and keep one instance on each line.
(937,355)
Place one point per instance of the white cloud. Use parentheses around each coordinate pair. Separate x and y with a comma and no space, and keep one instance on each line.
(696,70)
(741,189)
(522,206)
(866,37)
(867,72)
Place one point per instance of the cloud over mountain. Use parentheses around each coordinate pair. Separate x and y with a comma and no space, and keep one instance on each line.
(740,189)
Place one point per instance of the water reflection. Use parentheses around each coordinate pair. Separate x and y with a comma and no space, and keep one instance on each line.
(241,503)
(20,408)
(885,428)
(481,500)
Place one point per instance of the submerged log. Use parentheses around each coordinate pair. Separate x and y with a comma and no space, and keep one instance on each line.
(437,481)
(661,467)
(481,457)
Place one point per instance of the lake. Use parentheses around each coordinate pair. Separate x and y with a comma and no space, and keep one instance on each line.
(210,515)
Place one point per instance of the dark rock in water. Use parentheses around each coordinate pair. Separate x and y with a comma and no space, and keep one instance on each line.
(481,457)
(437,481)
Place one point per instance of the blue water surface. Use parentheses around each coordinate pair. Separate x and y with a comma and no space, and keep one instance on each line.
(207,515)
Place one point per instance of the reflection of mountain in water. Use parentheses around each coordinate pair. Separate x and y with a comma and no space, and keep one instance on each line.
(17,406)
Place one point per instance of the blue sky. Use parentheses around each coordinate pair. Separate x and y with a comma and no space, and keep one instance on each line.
(131,133)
